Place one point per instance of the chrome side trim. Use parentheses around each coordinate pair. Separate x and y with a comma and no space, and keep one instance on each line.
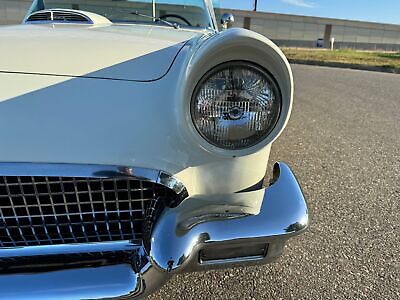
(93,171)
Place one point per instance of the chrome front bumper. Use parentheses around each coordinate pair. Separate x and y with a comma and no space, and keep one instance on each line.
(184,239)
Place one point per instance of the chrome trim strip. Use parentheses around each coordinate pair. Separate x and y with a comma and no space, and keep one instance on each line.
(120,281)
(124,272)
(57,22)
(65,249)
(93,171)
(210,8)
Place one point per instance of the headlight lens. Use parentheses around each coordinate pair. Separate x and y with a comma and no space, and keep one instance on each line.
(236,105)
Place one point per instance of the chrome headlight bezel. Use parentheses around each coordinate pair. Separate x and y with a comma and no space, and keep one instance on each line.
(245,65)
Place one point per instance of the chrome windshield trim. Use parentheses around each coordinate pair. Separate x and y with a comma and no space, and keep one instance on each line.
(93,171)
(211,12)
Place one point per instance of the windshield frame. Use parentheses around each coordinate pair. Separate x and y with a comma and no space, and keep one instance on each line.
(38,5)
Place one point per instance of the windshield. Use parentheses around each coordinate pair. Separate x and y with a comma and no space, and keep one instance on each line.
(191,13)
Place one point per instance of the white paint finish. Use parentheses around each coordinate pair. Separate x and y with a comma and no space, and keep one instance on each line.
(82,121)
(14,85)
(94,121)
(228,175)
(79,50)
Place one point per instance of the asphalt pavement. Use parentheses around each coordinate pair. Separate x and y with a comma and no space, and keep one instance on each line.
(343,143)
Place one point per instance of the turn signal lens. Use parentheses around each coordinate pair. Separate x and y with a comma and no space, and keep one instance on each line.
(236,105)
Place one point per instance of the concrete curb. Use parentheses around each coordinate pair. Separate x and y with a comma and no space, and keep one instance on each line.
(345,66)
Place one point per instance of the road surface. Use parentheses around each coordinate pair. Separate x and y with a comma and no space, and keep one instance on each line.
(343,143)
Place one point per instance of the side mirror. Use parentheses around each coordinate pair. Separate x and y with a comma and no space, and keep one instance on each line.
(227,20)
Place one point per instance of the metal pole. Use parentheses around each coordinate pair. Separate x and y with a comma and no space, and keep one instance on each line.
(255,5)
(154,9)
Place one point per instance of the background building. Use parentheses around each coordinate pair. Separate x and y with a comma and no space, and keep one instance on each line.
(285,30)
(13,11)
(301,31)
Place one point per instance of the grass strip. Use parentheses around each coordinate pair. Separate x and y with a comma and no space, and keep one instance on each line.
(367,60)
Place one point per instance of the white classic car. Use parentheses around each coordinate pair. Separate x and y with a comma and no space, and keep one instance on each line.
(135,138)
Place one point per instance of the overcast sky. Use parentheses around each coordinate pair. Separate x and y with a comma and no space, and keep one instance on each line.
(384,11)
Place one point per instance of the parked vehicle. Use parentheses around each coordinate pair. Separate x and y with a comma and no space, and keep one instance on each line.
(320,43)
(135,137)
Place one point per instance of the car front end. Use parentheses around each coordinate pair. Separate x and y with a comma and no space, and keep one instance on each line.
(133,152)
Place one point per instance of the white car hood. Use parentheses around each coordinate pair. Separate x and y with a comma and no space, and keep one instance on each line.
(124,52)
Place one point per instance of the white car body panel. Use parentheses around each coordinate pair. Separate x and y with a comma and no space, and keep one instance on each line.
(119,121)
(75,122)
(85,50)
(105,181)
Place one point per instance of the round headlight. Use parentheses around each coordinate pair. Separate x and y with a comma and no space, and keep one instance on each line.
(236,105)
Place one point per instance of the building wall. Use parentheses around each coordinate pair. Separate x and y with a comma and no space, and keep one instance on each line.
(13,11)
(302,31)
(285,30)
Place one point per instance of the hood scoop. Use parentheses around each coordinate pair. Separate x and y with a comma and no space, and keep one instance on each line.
(65,16)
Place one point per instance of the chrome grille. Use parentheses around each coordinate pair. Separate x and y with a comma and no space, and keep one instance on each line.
(69,17)
(58,16)
(39,210)
(41,16)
